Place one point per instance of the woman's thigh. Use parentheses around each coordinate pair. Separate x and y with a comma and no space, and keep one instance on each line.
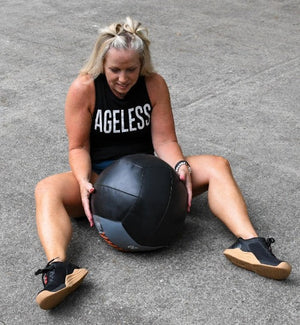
(64,188)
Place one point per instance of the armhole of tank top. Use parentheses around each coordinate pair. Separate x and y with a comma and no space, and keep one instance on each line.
(98,80)
(147,93)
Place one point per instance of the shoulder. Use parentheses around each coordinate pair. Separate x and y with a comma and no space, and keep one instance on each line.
(82,84)
(82,91)
(155,80)
(157,87)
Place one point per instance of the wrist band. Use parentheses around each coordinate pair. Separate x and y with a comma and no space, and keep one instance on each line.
(181,163)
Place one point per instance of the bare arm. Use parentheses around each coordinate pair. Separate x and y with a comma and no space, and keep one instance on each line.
(163,129)
(78,116)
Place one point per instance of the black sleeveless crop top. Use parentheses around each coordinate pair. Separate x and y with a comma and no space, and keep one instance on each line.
(120,126)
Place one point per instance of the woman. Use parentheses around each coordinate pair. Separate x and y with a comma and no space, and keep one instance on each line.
(117,106)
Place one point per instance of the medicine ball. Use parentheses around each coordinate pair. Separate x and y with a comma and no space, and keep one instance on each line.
(139,203)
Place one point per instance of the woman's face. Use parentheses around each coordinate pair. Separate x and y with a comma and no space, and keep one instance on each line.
(122,69)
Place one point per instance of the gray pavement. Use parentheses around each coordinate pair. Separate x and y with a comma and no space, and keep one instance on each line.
(233,69)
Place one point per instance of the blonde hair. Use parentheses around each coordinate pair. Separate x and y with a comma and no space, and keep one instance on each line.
(127,35)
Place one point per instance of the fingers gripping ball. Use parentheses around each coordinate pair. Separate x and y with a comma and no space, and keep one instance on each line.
(139,204)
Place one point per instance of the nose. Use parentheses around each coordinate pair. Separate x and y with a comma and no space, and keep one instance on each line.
(123,77)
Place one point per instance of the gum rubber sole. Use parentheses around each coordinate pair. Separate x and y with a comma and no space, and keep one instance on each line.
(247,260)
(49,299)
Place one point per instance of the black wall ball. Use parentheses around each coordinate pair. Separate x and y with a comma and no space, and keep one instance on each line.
(139,203)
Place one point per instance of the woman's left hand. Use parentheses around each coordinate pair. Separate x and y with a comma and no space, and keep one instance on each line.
(186,178)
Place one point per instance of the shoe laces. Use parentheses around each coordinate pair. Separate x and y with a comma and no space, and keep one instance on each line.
(269,242)
(46,274)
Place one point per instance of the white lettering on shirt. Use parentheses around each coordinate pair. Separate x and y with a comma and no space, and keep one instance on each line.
(107,127)
(98,121)
(123,120)
(116,121)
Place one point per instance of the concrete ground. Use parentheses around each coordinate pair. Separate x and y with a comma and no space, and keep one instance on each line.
(233,70)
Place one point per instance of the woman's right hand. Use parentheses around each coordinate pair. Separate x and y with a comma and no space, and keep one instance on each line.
(78,110)
(86,189)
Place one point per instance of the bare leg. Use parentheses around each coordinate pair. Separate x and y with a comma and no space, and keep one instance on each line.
(224,197)
(57,197)
(226,202)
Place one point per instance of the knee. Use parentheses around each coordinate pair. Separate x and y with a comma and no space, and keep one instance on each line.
(220,165)
(222,162)
(43,188)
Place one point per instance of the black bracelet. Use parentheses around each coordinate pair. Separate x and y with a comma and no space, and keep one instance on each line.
(181,163)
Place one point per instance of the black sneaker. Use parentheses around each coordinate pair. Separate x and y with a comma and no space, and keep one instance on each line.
(255,254)
(59,279)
